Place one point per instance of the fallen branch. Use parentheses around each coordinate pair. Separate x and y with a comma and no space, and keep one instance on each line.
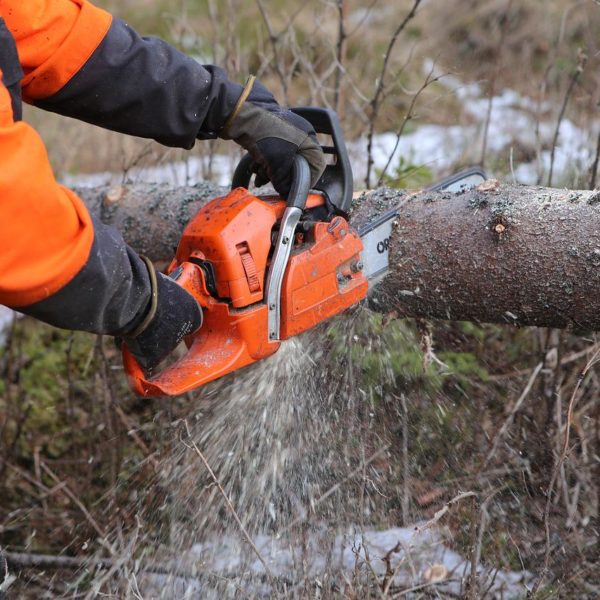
(27,560)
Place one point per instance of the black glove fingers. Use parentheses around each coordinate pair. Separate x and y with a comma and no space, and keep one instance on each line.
(177,315)
(273,136)
(279,171)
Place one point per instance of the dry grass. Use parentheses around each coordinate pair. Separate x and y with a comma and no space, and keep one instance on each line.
(343,427)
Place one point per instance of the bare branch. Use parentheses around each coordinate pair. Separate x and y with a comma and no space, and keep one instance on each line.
(557,467)
(376,101)
(581,62)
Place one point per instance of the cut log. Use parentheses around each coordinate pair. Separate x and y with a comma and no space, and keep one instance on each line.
(499,253)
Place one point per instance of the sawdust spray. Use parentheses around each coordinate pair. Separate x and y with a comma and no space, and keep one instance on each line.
(279,435)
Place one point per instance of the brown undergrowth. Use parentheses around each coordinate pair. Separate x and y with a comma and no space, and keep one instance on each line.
(345,427)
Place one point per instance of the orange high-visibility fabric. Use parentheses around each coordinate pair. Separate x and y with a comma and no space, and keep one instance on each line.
(54,39)
(46,232)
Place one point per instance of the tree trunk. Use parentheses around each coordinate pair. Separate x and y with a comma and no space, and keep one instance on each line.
(500,253)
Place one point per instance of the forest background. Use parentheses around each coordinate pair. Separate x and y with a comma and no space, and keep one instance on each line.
(435,86)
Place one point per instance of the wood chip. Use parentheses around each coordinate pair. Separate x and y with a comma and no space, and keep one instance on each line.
(114,195)
(489,185)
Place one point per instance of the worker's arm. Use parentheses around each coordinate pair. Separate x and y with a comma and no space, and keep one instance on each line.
(81,62)
(63,267)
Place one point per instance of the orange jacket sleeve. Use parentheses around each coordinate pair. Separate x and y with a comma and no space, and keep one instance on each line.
(55,38)
(45,230)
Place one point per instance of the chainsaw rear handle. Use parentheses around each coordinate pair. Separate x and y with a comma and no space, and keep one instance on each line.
(300,179)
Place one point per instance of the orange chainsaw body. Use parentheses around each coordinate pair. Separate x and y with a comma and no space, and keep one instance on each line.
(223,260)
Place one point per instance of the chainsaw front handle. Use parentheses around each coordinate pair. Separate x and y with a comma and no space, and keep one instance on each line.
(300,184)
(336,182)
(300,180)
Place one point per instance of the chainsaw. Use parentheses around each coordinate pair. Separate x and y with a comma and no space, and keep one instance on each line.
(265,269)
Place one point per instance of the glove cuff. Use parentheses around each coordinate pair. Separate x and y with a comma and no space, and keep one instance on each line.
(143,325)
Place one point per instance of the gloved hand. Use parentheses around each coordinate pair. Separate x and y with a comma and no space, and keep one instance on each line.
(273,135)
(174,314)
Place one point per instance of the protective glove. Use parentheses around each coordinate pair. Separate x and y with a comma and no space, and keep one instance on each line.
(173,313)
(273,135)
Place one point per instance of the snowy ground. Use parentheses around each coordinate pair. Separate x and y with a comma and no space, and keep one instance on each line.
(418,558)
(513,122)
(6,316)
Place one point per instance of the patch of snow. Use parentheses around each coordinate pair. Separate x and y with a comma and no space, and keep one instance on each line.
(434,146)
(411,554)
(513,121)
(189,172)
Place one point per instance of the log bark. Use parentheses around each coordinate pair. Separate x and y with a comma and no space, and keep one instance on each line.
(499,253)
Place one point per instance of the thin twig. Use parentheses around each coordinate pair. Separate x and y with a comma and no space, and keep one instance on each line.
(118,563)
(69,494)
(594,169)
(581,61)
(335,488)
(7,578)
(515,409)
(407,117)
(390,573)
(473,590)
(440,513)
(131,431)
(405,502)
(274,41)
(492,90)
(342,7)
(572,357)
(557,467)
(376,101)
(424,586)
(216,481)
